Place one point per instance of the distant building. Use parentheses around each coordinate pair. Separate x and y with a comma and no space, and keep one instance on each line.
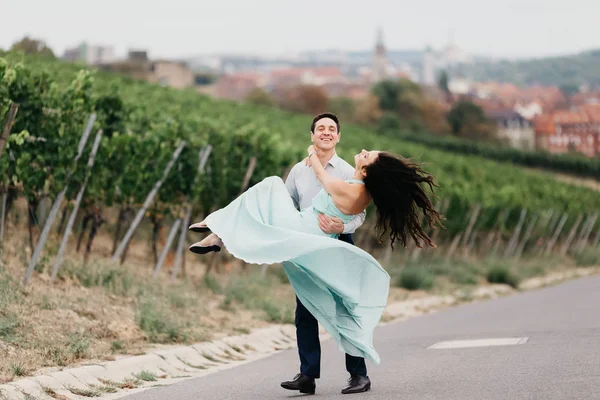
(380,62)
(238,85)
(528,111)
(90,54)
(140,56)
(434,61)
(566,131)
(170,73)
(429,67)
(580,99)
(513,128)
(459,86)
(452,54)
(528,101)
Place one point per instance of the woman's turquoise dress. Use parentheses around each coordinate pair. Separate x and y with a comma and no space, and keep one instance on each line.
(342,286)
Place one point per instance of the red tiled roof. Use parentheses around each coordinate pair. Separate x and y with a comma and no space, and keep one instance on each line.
(326,71)
(288,73)
(299,72)
(592,111)
(585,98)
(570,117)
(548,97)
(544,124)
(586,114)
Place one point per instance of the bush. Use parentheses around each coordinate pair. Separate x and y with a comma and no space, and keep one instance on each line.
(502,274)
(464,276)
(413,278)
(253,293)
(157,324)
(587,258)
(8,325)
(118,281)
(78,345)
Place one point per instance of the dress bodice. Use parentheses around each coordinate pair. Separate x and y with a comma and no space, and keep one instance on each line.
(323,203)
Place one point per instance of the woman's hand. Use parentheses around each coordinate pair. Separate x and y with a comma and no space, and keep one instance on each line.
(311,149)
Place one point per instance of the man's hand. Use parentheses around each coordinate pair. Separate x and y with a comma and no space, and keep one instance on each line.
(330,225)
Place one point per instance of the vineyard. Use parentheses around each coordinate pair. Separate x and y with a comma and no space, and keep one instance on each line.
(88,141)
(566,163)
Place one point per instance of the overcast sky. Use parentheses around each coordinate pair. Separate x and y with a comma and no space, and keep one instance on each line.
(174,28)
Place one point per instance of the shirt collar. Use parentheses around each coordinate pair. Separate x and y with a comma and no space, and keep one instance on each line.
(334,160)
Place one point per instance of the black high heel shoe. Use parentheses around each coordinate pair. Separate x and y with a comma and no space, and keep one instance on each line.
(196,248)
(197,227)
(207,245)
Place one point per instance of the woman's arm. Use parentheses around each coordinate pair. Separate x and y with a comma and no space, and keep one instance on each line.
(336,187)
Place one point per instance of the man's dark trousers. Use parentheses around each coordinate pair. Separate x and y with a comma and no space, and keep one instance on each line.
(309,348)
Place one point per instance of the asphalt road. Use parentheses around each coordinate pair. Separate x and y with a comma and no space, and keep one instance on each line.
(560,359)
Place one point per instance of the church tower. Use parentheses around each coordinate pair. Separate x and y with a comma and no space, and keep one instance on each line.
(429,67)
(379,59)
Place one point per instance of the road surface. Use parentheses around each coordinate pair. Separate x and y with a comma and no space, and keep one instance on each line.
(559,358)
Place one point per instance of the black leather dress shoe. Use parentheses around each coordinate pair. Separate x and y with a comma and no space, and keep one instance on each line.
(303,383)
(357,384)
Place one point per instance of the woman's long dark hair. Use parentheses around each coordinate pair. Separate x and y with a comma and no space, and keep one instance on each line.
(397,187)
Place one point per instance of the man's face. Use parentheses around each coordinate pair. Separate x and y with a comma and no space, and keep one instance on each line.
(325,135)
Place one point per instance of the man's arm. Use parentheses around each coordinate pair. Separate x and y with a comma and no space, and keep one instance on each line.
(355,223)
(290,184)
(335,225)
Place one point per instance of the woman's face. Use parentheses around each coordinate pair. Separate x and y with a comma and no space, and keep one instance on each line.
(365,158)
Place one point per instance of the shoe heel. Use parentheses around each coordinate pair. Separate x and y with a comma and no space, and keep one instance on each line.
(198,228)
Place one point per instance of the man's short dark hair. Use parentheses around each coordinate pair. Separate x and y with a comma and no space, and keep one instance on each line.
(325,115)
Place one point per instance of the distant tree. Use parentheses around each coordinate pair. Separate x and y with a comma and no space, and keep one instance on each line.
(443,82)
(569,89)
(309,99)
(389,124)
(468,120)
(402,96)
(259,97)
(343,107)
(433,117)
(32,46)
(579,68)
(367,110)
(387,93)
(410,99)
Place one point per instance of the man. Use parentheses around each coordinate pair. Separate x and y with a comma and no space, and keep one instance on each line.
(303,186)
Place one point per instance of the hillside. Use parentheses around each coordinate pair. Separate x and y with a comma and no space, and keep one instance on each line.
(144,123)
(568,70)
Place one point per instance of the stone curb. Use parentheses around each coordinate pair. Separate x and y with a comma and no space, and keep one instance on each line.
(116,379)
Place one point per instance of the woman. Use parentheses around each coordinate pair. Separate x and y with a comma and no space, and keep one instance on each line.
(344,287)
